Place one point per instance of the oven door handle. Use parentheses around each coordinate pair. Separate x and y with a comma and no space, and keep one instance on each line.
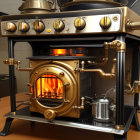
(65,85)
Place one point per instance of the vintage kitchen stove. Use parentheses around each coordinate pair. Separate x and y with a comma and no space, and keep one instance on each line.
(63,65)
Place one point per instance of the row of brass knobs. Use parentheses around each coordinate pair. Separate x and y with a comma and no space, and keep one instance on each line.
(58,25)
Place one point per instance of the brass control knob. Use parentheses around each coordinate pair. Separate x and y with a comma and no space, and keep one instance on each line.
(105,22)
(9,26)
(79,23)
(49,114)
(58,25)
(39,26)
(23,27)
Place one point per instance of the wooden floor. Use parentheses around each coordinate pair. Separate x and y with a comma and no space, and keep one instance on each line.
(21,130)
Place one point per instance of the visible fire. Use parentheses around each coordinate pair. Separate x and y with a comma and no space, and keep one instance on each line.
(49,86)
(69,52)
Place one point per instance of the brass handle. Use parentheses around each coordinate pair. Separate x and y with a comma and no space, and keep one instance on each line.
(39,26)
(23,27)
(22,69)
(49,114)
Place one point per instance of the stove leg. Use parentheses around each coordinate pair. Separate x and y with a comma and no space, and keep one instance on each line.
(32,123)
(120,137)
(120,78)
(136,121)
(6,127)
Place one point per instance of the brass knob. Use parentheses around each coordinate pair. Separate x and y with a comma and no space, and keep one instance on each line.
(58,25)
(39,26)
(105,22)
(79,23)
(49,114)
(9,26)
(23,27)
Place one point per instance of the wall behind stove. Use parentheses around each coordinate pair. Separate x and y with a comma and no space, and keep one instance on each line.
(22,50)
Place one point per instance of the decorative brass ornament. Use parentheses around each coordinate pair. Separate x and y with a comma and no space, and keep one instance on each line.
(79,23)
(105,22)
(59,25)
(49,114)
(9,26)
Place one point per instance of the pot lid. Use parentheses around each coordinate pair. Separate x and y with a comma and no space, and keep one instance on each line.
(103,99)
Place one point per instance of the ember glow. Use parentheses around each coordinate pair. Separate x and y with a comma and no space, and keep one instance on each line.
(49,86)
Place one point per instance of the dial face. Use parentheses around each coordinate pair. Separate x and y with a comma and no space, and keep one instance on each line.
(23,27)
(39,26)
(9,26)
(105,22)
(79,23)
(59,25)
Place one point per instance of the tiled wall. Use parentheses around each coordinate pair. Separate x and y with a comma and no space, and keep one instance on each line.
(22,50)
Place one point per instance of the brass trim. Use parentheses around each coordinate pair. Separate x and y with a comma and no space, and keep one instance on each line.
(10,61)
(119,127)
(82,104)
(69,99)
(104,75)
(133,25)
(50,115)
(116,44)
(13,113)
(22,69)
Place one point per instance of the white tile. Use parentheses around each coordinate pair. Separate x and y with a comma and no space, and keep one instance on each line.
(7,9)
(4,47)
(3,55)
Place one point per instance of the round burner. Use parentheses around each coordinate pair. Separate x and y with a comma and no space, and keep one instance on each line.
(90,120)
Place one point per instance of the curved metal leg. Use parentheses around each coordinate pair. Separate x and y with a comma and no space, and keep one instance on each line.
(6,127)
(120,137)
(136,121)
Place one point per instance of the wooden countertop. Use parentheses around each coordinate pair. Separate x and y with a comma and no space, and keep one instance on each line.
(21,129)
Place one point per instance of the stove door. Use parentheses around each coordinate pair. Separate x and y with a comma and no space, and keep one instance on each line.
(54,88)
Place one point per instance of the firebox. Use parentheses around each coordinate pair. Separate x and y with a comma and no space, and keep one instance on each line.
(57,87)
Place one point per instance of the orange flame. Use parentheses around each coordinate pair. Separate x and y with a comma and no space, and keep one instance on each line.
(49,86)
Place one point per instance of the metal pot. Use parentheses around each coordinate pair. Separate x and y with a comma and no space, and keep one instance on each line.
(75,5)
(103,108)
(36,6)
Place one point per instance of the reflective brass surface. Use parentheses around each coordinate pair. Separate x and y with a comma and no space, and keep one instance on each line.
(82,104)
(116,44)
(58,25)
(79,23)
(105,22)
(133,25)
(22,69)
(49,114)
(13,113)
(72,92)
(9,26)
(101,72)
(23,26)
(36,6)
(119,127)
(39,26)
(10,61)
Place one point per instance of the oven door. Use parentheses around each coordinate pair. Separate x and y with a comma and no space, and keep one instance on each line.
(54,90)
